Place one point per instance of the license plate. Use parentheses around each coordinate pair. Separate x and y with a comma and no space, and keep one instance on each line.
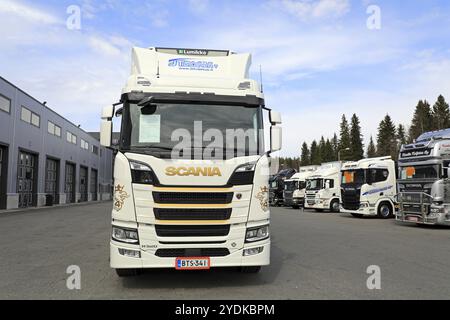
(412,219)
(200,263)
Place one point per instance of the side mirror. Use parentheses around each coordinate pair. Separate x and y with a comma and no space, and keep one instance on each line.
(106,133)
(106,126)
(107,112)
(275,138)
(274,117)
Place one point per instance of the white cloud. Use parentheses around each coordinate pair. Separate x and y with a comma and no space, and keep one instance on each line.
(23,11)
(306,9)
(103,46)
(198,6)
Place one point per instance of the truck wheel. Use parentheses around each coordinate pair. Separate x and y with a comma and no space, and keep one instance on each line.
(335,207)
(127,272)
(385,210)
(253,269)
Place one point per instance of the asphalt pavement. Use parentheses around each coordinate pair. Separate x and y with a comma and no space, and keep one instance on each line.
(314,256)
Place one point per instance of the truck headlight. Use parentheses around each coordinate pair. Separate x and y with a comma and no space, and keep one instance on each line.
(141,173)
(243,175)
(125,235)
(436,210)
(364,205)
(257,234)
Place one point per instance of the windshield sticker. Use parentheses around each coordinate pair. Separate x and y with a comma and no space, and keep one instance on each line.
(189,64)
(410,172)
(349,177)
(150,128)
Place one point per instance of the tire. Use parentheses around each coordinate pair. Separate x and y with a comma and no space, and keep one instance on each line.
(335,206)
(122,273)
(253,269)
(357,215)
(385,210)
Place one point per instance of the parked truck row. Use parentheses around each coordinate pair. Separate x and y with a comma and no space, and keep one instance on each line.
(416,189)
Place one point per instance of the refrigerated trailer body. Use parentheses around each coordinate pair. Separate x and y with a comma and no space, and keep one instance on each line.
(369,187)
(184,199)
(423,182)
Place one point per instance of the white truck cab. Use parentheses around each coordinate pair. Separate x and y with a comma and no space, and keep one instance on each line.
(295,187)
(191,173)
(323,188)
(369,187)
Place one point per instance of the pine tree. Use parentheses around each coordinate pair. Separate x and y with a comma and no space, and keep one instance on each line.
(401,136)
(387,138)
(356,143)
(441,114)
(328,154)
(344,141)
(322,149)
(371,149)
(305,156)
(422,120)
(315,154)
(335,145)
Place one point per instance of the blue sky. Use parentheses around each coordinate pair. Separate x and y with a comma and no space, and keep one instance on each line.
(319,59)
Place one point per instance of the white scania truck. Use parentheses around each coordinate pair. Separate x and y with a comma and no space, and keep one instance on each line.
(295,187)
(191,190)
(323,188)
(423,182)
(369,187)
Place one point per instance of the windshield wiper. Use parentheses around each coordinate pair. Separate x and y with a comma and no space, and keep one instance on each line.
(152,147)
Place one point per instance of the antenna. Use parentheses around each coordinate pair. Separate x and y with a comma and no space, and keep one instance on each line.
(261,79)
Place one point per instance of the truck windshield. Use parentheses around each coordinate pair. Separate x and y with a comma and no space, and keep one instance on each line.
(420,172)
(222,129)
(291,185)
(357,177)
(314,184)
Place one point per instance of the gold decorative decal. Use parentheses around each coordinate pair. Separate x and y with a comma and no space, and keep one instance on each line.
(119,197)
(192,171)
(263,197)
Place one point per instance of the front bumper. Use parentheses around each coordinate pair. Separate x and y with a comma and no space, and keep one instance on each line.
(365,211)
(150,260)
(442,219)
(294,202)
(317,204)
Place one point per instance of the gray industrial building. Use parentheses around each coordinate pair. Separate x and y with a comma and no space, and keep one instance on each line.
(46,159)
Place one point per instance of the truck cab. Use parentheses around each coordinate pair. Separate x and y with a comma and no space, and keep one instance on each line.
(191,176)
(369,187)
(276,186)
(423,182)
(323,188)
(295,187)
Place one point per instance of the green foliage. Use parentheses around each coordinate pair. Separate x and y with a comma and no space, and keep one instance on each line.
(371,149)
(441,114)
(356,143)
(422,120)
(305,159)
(387,138)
